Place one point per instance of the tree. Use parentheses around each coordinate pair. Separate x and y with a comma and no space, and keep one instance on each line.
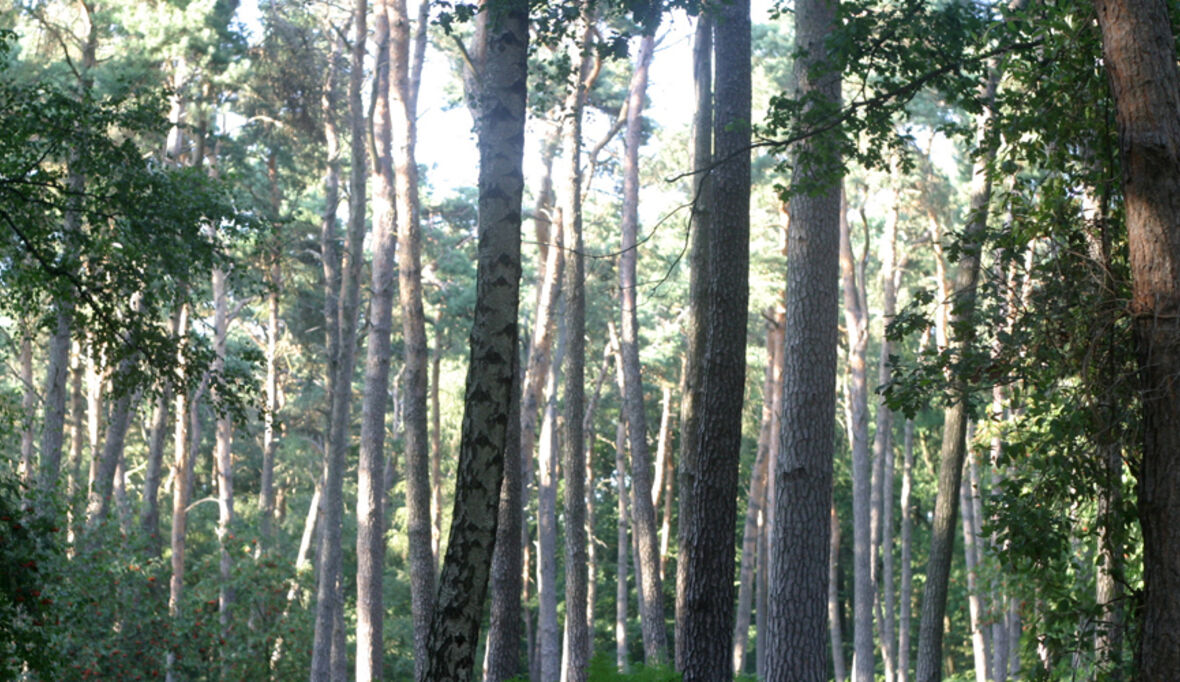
(705,613)
(1140,58)
(803,473)
(454,628)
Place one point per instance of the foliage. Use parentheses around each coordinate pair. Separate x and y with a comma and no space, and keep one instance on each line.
(28,544)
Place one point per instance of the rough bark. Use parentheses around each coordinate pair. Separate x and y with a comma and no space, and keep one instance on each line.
(370,499)
(1140,58)
(803,473)
(954,436)
(706,619)
(652,616)
(454,629)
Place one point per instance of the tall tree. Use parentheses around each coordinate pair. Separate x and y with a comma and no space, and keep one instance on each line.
(803,474)
(1140,57)
(705,619)
(652,617)
(454,628)
(370,516)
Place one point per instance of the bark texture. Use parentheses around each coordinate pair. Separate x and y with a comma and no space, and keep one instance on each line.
(1140,59)
(705,617)
(454,629)
(797,649)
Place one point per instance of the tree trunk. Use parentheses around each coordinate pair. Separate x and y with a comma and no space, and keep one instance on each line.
(803,473)
(502,654)
(971,553)
(105,462)
(883,446)
(1140,59)
(436,446)
(857,328)
(340,367)
(690,403)
(622,660)
(707,617)
(548,633)
(954,436)
(906,588)
(270,435)
(652,616)
(591,502)
(28,404)
(222,456)
(454,629)
(573,446)
(755,501)
(182,467)
(370,500)
(835,630)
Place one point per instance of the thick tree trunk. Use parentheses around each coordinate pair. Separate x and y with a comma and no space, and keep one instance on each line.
(803,473)
(370,499)
(856,325)
(1140,59)
(708,602)
(954,436)
(454,629)
(652,616)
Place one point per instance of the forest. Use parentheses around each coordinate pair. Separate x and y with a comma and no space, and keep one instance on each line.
(566,340)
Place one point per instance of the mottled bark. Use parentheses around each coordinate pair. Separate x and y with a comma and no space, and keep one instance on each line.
(1140,58)
(706,617)
(803,473)
(502,654)
(454,629)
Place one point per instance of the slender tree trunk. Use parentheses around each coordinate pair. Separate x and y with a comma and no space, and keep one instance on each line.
(270,435)
(954,437)
(548,632)
(803,472)
(222,456)
(370,513)
(502,654)
(454,629)
(707,616)
(835,629)
(150,514)
(652,616)
(57,371)
(592,502)
(699,304)
(906,589)
(622,660)
(1140,59)
(436,446)
(340,367)
(182,467)
(755,500)
(28,404)
(971,552)
(573,447)
(857,328)
(883,447)
(105,460)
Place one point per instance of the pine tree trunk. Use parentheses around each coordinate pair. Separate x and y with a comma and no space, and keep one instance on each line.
(835,628)
(270,435)
(341,366)
(906,588)
(1140,59)
(690,404)
(707,550)
(548,632)
(591,501)
(182,468)
(454,629)
(755,500)
(803,474)
(370,514)
(971,552)
(883,448)
(622,659)
(28,404)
